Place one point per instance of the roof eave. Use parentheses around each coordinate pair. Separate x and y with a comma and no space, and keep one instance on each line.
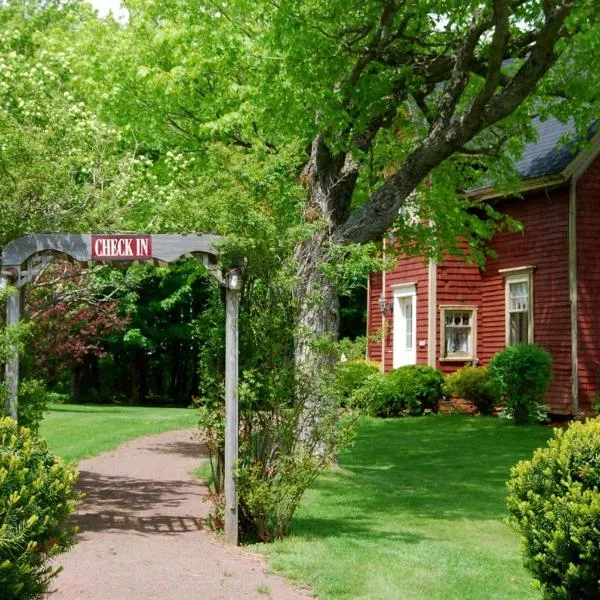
(527,185)
(580,162)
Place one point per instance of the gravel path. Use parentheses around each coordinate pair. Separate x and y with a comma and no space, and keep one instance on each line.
(142,534)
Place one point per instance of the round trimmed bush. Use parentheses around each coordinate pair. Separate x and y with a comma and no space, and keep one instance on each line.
(351,375)
(522,374)
(376,392)
(475,385)
(554,503)
(413,389)
(37,494)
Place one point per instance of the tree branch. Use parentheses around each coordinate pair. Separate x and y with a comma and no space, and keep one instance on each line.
(449,134)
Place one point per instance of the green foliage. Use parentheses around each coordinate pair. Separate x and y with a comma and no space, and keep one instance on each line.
(418,388)
(286,439)
(475,385)
(350,376)
(270,498)
(283,450)
(58,162)
(355,349)
(409,390)
(33,399)
(376,391)
(554,503)
(37,494)
(522,374)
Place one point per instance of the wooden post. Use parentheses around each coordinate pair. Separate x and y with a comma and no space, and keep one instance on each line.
(233,282)
(11,369)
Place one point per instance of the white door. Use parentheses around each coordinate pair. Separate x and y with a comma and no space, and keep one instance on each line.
(405,326)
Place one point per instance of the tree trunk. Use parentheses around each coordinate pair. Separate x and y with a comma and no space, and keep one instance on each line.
(330,181)
(317,302)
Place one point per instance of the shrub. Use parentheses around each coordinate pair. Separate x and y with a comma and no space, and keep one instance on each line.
(287,437)
(409,390)
(350,376)
(37,494)
(522,375)
(475,385)
(375,394)
(555,504)
(355,349)
(33,400)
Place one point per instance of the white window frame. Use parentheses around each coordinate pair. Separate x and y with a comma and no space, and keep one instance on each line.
(444,308)
(403,291)
(518,275)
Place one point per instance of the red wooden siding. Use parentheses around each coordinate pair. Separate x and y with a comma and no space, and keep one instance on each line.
(544,245)
(458,283)
(588,284)
(409,270)
(374,320)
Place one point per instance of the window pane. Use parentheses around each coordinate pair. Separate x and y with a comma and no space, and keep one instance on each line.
(518,297)
(457,341)
(519,328)
(458,330)
(408,319)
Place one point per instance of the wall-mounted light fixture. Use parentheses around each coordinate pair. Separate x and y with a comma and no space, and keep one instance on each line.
(386,307)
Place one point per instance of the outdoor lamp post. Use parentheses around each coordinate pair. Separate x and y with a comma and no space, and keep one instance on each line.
(233,285)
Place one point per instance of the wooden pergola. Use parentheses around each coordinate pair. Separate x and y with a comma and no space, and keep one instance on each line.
(23,259)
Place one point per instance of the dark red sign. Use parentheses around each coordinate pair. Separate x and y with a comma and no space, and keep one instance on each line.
(121,247)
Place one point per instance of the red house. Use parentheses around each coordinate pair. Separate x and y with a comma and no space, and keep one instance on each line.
(543,287)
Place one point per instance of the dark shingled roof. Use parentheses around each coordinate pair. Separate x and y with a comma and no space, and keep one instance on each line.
(556,146)
(550,153)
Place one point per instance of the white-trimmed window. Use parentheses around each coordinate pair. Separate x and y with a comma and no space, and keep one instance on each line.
(519,305)
(458,332)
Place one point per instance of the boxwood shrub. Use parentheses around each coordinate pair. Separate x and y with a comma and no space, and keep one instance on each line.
(350,376)
(37,494)
(522,375)
(475,385)
(377,391)
(554,503)
(409,390)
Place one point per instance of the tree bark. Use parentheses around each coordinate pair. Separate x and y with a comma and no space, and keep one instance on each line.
(330,181)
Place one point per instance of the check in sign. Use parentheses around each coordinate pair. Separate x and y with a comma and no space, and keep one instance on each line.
(121,247)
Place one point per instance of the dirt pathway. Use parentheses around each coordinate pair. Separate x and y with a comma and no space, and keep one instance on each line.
(142,533)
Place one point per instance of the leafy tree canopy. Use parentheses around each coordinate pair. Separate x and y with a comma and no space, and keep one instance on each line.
(390,94)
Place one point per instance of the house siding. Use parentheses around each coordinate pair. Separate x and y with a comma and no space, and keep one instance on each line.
(588,283)
(374,321)
(408,270)
(458,284)
(543,244)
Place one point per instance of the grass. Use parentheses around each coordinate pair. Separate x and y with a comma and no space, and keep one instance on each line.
(80,431)
(414,513)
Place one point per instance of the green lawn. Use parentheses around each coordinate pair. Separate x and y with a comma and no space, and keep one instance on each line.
(78,431)
(414,513)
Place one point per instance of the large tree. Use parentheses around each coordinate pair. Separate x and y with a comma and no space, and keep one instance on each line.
(444,77)
(387,97)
